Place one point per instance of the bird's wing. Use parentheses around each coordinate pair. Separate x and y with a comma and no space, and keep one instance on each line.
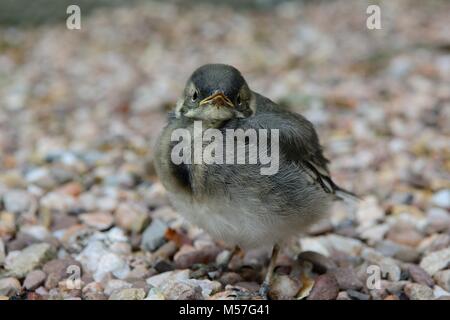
(299,143)
(304,149)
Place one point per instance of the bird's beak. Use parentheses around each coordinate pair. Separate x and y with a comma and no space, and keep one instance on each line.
(217,99)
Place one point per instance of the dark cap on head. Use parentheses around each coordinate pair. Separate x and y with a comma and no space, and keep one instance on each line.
(210,78)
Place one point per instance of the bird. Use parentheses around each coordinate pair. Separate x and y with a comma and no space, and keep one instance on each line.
(235,203)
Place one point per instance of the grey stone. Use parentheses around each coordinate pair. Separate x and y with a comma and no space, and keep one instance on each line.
(153,236)
(441,198)
(181,290)
(18,201)
(128,294)
(435,261)
(34,279)
(419,275)
(416,291)
(9,286)
(29,259)
(443,279)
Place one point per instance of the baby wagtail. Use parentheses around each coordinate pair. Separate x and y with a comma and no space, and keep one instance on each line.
(234,201)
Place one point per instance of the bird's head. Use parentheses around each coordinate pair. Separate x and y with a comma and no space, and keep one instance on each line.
(215,93)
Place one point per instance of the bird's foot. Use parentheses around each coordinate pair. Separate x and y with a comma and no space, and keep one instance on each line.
(264,291)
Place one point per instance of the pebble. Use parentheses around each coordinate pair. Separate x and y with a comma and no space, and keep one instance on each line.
(9,287)
(20,242)
(7,224)
(378,294)
(128,294)
(357,295)
(163,266)
(435,261)
(131,217)
(36,231)
(19,201)
(391,297)
(314,244)
(62,221)
(325,244)
(208,287)
(434,242)
(397,251)
(343,296)
(58,202)
(116,235)
(441,199)
(284,287)
(438,292)
(347,278)
(139,272)
(349,246)
(395,288)
(438,220)
(443,279)
(59,269)
(388,265)
(2,252)
(93,291)
(29,259)
(181,290)
(73,189)
(154,235)
(166,251)
(91,254)
(250,286)
(369,212)
(415,291)
(41,177)
(325,288)
(189,255)
(34,279)
(374,233)
(155,294)
(419,275)
(111,263)
(320,262)
(176,275)
(230,278)
(97,220)
(408,236)
(156,195)
(116,284)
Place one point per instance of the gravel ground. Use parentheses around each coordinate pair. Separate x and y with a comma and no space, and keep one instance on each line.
(82,215)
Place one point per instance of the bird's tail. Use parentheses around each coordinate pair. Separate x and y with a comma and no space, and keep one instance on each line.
(346,196)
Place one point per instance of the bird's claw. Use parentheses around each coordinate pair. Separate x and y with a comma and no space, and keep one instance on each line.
(264,291)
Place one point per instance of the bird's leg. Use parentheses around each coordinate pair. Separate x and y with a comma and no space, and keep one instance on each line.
(223,266)
(264,290)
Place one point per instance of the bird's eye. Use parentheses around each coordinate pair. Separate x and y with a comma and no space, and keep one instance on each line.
(194,96)
(238,100)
